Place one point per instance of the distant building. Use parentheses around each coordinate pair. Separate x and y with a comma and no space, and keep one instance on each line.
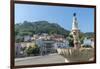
(61,44)
(88,42)
(35,36)
(50,46)
(27,44)
(46,46)
(57,37)
(18,50)
(43,36)
(92,42)
(46,43)
(27,38)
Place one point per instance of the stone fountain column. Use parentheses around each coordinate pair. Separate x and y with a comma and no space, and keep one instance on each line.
(75,32)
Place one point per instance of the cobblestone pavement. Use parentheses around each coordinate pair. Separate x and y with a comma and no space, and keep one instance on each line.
(47,59)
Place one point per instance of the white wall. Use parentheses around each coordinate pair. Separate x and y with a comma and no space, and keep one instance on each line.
(5,35)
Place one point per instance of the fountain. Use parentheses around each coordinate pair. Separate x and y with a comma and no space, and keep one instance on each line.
(76,53)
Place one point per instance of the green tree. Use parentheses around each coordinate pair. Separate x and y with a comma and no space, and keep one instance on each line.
(70,39)
(17,40)
(81,37)
(29,50)
(33,50)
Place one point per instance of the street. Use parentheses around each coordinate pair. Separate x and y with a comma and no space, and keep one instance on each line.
(47,59)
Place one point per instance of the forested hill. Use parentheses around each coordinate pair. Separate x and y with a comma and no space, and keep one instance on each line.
(89,34)
(38,27)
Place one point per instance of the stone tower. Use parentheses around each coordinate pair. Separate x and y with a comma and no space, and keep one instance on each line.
(75,32)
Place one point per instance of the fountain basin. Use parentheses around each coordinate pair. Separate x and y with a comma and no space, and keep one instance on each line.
(76,55)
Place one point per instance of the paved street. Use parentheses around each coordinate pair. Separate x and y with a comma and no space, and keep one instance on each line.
(47,59)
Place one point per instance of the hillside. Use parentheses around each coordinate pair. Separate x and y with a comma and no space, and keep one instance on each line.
(89,34)
(38,27)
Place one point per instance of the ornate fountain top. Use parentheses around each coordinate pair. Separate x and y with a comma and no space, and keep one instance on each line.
(75,23)
(74,14)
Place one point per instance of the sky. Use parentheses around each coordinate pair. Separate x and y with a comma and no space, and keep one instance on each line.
(56,14)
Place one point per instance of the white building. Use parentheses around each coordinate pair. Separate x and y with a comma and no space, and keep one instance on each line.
(27,38)
(18,50)
(61,44)
(88,42)
(46,46)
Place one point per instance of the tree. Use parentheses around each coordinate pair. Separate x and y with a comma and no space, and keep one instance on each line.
(29,50)
(33,50)
(17,40)
(81,37)
(70,39)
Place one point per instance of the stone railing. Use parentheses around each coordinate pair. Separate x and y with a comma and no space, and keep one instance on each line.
(76,55)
